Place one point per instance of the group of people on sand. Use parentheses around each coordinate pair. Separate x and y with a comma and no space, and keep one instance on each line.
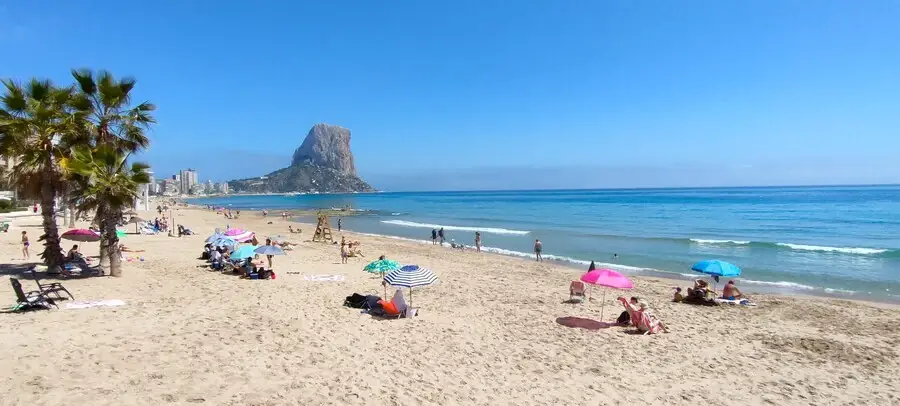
(350,249)
(701,293)
(253,267)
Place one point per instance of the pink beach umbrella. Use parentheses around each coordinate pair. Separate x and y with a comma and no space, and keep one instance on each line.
(81,235)
(608,279)
(234,231)
(243,237)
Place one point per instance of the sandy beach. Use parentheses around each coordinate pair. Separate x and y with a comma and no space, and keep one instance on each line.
(486,335)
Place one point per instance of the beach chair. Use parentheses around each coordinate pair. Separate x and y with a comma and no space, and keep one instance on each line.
(403,310)
(30,300)
(576,292)
(53,288)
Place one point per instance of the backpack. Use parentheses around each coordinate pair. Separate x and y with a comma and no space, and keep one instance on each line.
(355,301)
(624,318)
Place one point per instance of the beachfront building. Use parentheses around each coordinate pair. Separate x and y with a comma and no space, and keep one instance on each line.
(188,179)
(223,188)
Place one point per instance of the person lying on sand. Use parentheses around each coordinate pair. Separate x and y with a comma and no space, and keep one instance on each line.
(126,249)
(731,292)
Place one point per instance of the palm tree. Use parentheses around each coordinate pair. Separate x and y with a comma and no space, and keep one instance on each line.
(107,183)
(35,129)
(104,104)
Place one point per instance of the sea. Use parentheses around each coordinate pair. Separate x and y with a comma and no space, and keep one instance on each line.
(841,241)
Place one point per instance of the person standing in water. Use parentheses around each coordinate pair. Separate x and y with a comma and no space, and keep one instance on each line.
(477,241)
(433,236)
(25,244)
(538,247)
(441,235)
(340,223)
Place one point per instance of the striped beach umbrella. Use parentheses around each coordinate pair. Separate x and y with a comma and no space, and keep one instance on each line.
(410,276)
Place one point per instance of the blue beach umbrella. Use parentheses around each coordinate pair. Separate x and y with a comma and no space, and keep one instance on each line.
(244,252)
(224,242)
(216,236)
(716,268)
(269,250)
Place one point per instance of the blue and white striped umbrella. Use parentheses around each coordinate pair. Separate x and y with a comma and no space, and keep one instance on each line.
(410,276)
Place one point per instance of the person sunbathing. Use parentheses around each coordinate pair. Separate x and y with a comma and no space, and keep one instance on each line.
(642,317)
(731,292)
(123,248)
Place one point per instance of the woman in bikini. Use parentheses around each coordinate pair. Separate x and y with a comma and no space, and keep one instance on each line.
(25,244)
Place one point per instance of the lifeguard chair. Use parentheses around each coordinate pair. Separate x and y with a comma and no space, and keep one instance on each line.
(323,230)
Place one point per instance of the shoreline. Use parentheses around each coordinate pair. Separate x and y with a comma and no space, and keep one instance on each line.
(683,280)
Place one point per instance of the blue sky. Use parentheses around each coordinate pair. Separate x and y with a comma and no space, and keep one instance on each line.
(498,94)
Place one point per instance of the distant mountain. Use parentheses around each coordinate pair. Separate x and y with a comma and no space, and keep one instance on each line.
(322,163)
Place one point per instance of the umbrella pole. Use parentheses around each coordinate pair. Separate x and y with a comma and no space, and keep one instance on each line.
(603,304)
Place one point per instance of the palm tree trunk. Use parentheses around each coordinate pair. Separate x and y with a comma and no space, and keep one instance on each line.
(112,241)
(72,215)
(101,219)
(52,254)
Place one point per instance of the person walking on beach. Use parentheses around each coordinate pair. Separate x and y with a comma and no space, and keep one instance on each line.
(35,208)
(433,236)
(477,241)
(538,247)
(269,257)
(441,235)
(340,223)
(25,244)
(345,252)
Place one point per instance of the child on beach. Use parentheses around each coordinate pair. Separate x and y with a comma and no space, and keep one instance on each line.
(25,244)
(538,247)
(345,253)
(477,241)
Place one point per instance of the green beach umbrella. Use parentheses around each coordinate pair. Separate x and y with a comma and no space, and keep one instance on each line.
(382,266)
(120,233)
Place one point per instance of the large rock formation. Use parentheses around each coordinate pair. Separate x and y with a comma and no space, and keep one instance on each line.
(322,163)
(328,146)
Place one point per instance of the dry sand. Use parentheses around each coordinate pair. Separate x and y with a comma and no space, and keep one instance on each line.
(488,334)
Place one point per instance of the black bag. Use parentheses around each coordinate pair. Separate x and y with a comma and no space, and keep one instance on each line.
(355,301)
(624,318)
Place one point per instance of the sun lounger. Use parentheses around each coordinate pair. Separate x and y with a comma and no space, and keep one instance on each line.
(30,300)
(576,291)
(52,288)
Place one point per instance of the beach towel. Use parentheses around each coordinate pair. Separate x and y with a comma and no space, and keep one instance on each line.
(324,278)
(742,302)
(94,303)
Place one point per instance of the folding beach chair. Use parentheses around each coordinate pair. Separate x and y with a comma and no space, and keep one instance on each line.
(30,300)
(576,291)
(53,288)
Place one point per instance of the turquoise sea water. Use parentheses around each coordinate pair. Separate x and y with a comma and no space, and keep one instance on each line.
(842,241)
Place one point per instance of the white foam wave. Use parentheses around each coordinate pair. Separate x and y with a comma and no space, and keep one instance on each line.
(396,214)
(843,291)
(843,250)
(489,230)
(781,284)
(502,251)
(733,242)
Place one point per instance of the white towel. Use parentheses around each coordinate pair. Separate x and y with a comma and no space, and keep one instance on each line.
(324,278)
(94,303)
